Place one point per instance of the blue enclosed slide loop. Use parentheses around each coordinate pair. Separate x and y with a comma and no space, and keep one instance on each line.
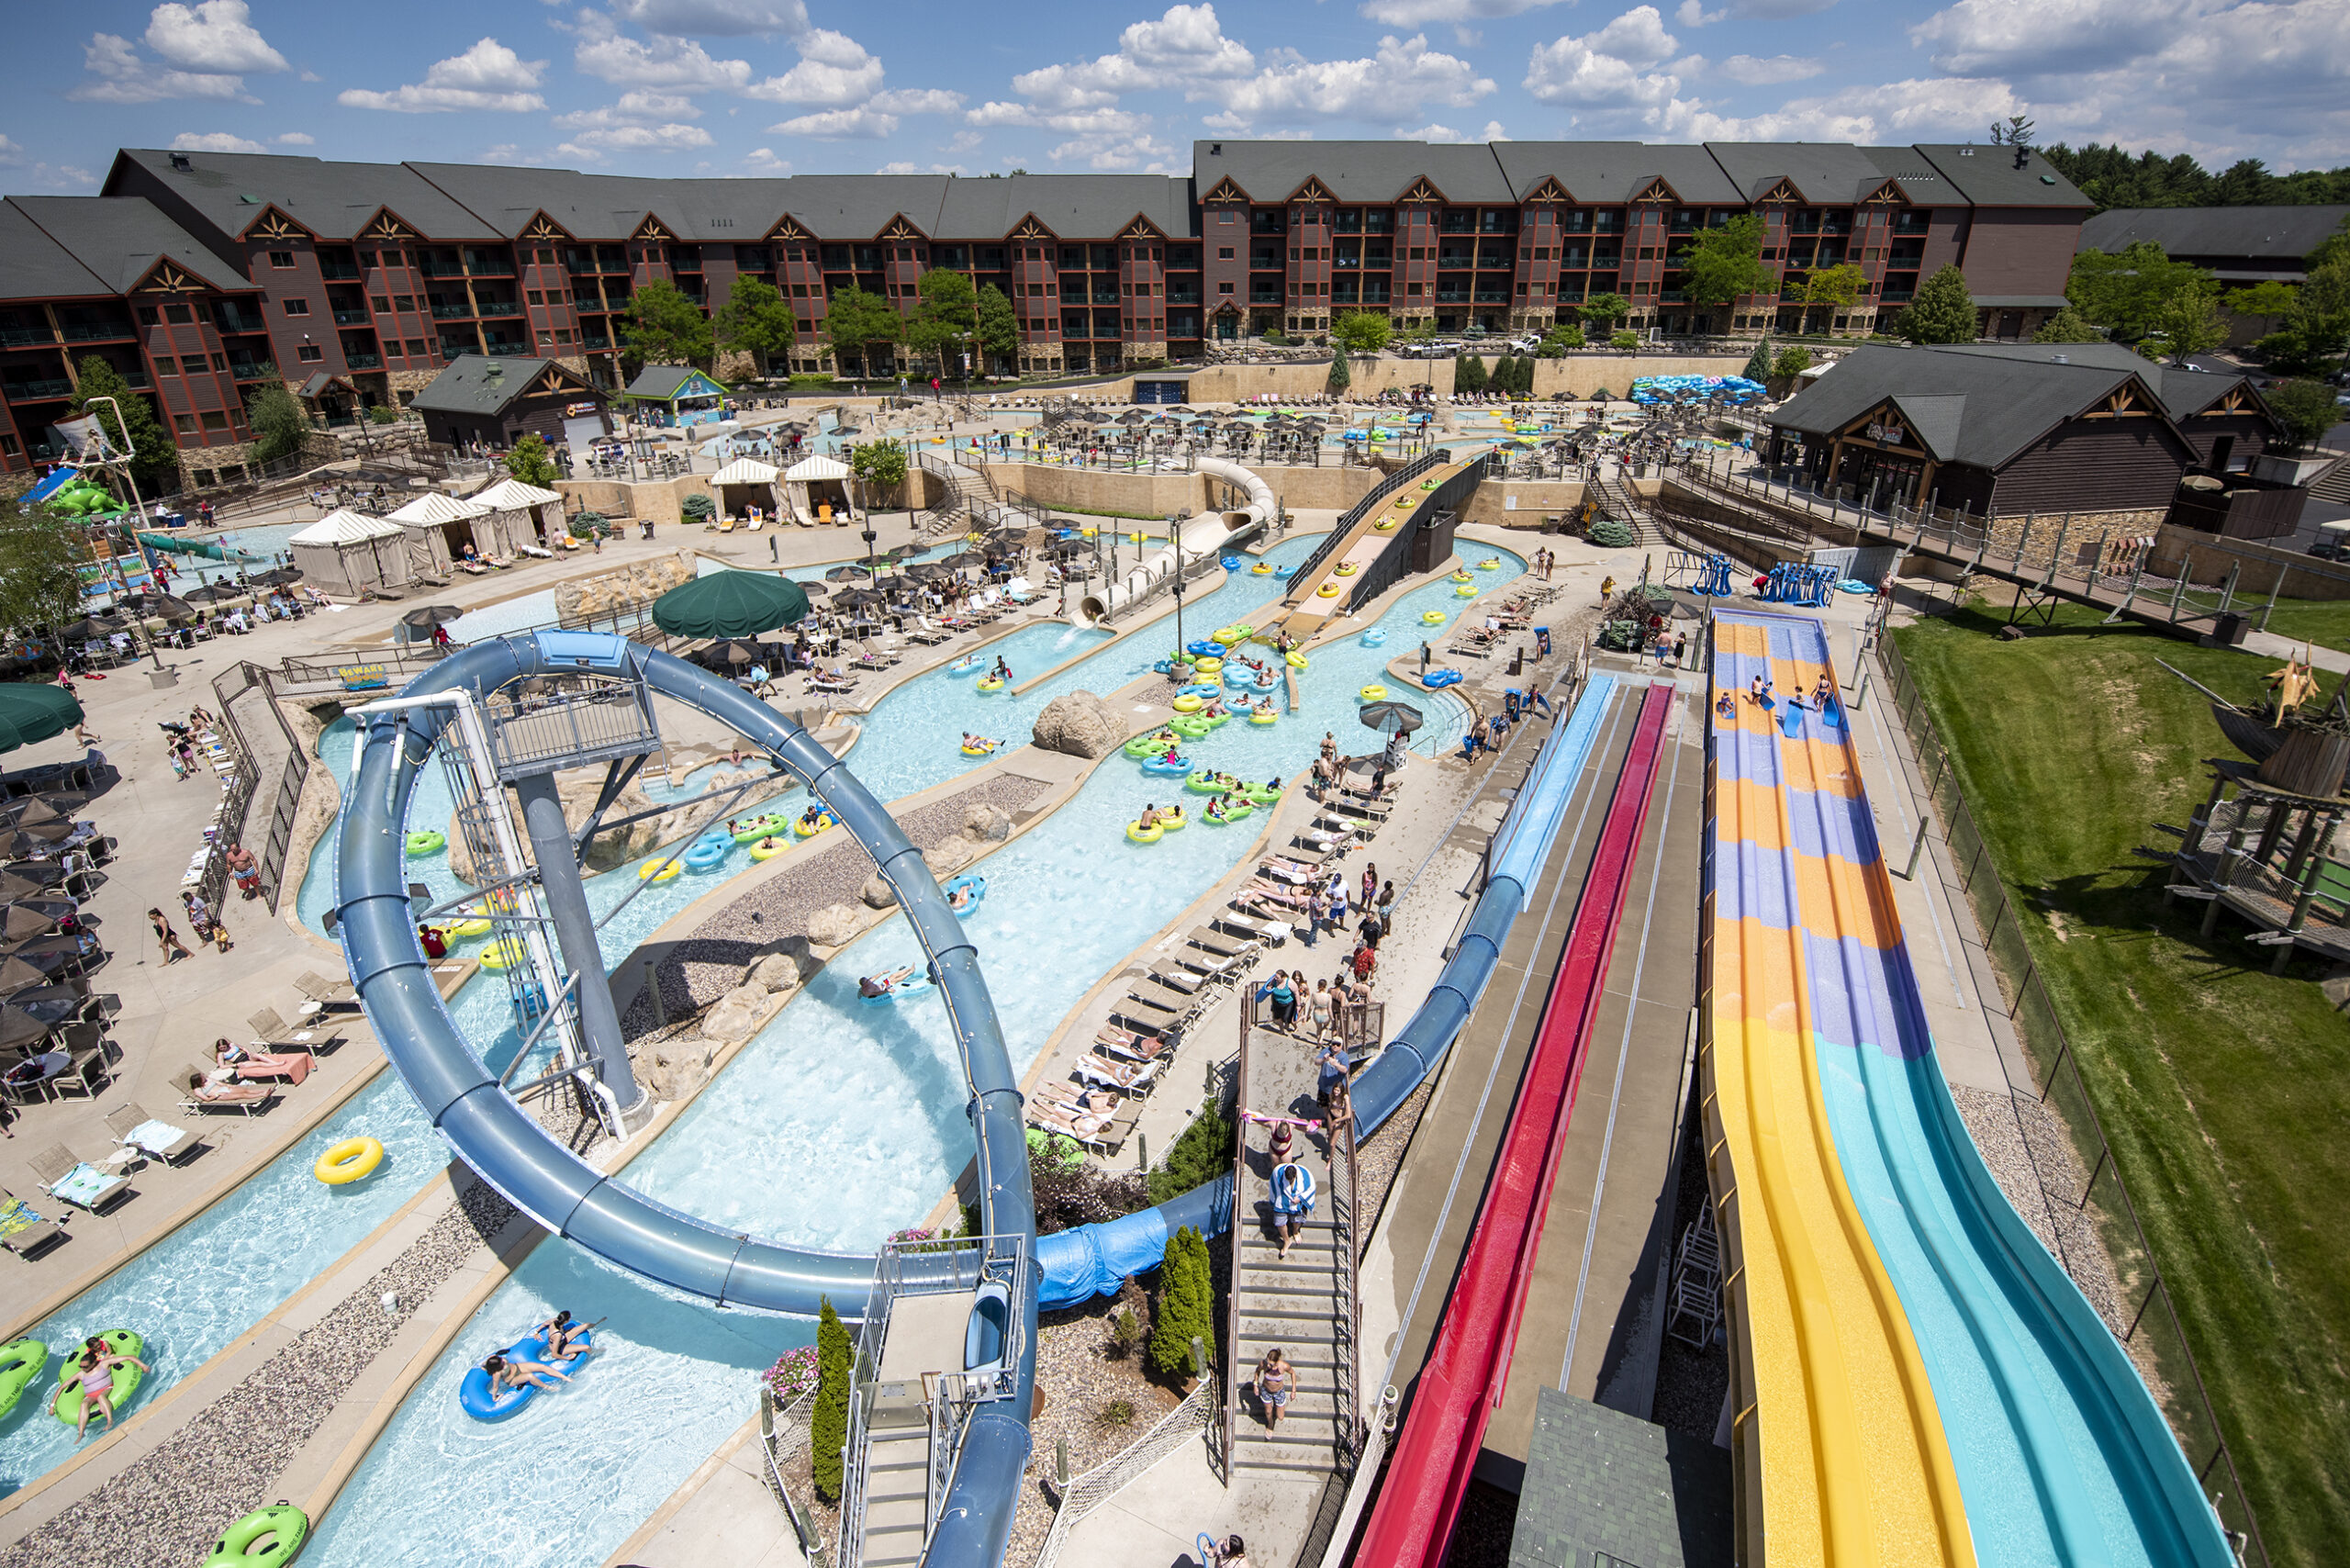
(505,1145)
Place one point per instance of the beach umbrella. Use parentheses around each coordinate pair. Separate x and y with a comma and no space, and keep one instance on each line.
(928,571)
(167,607)
(33,809)
(213,593)
(53,1004)
(964,558)
(730,604)
(844,573)
(426,618)
(15,885)
(858,599)
(278,576)
(91,630)
(18,923)
(814,590)
(1389,718)
(731,652)
(35,838)
(30,713)
(893,584)
(19,1027)
(18,977)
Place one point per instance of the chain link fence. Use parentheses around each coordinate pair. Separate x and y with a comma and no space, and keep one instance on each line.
(2075,1164)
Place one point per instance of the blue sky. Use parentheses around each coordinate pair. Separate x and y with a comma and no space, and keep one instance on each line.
(816,87)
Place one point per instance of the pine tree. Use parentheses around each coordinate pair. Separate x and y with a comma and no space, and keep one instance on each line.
(1943,312)
(1758,364)
(828,1423)
(1468,374)
(1186,1304)
(1340,376)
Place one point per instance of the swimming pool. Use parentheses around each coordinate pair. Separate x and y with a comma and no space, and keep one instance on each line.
(840,1123)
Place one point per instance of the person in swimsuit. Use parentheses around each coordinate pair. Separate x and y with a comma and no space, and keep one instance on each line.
(512,1373)
(95,1375)
(1275,1384)
(882,985)
(559,1334)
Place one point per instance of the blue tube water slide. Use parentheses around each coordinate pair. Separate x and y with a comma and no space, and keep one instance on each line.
(505,1145)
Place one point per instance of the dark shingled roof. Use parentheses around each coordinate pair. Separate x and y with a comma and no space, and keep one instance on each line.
(333,200)
(1976,404)
(1608,172)
(37,267)
(1825,171)
(660,382)
(479,384)
(1080,206)
(2183,392)
(1988,176)
(1352,171)
(120,241)
(2279,234)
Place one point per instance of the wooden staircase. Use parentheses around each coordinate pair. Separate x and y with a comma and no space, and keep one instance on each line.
(969,492)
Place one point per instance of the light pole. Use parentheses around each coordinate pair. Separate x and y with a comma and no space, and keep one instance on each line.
(1175,535)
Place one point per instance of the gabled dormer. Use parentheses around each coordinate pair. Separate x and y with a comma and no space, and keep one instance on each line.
(1658,191)
(1227,190)
(544,230)
(388,228)
(1034,231)
(1312,193)
(1422,190)
(169,279)
(1550,190)
(900,230)
(275,228)
(651,231)
(1142,231)
(1887,193)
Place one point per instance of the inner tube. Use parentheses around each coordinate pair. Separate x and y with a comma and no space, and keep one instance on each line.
(473,924)
(1229,563)
(1466,590)
(768,848)
(1152,744)
(1264,716)
(1384,525)
(473,1396)
(1327,590)
(508,951)
(66,1404)
(913,985)
(1191,728)
(1208,781)
(986,684)
(1141,834)
(1436,679)
(1459,577)
(1211,664)
(1345,569)
(1178,768)
(1204,649)
(1374,638)
(753,829)
(1296,660)
(1205,690)
(266,1537)
(1490,565)
(348,1161)
(427,843)
(988,750)
(662,870)
(1432,618)
(1216,721)
(1173,819)
(965,665)
(21,1361)
(975,886)
(1372,694)
(1237,632)
(1261,569)
(707,857)
(823,820)
(1239,810)
(1284,571)
(1187,703)
(1261,794)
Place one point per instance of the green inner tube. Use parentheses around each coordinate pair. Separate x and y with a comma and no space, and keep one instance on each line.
(425,843)
(1259,794)
(21,1361)
(1190,728)
(1211,783)
(1151,745)
(66,1406)
(262,1539)
(757,828)
(1239,810)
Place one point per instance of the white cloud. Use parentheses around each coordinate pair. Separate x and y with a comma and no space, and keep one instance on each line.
(763,160)
(1123,154)
(716,18)
(1404,73)
(1083,122)
(215,36)
(1766,70)
(834,68)
(673,137)
(840,125)
(1492,132)
(1693,13)
(487,76)
(504,152)
(634,108)
(122,77)
(1430,133)
(213,142)
(12,153)
(1915,110)
(1418,13)
(604,52)
(1183,48)
(295,139)
(62,177)
(1981,37)
(917,101)
(963,141)
(903,167)
(1613,66)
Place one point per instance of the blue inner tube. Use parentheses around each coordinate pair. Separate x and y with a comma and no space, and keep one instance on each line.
(1284,571)
(1180,768)
(965,665)
(473,1396)
(913,985)
(1229,563)
(975,886)
(705,856)
(1204,649)
(1437,677)
(1202,692)
(1375,637)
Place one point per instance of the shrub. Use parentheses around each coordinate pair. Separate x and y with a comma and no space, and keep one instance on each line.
(828,1425)
(794,1374)
(1186,1305)
(1071,1193)
(1340,376)
(1468,374)
(1609,534)
(1126,1331)
(1625,341)
(811,383)
(697,507)
(1792,360)
(1118,1413)
(1560,339)
(1199,1155)
(382,414)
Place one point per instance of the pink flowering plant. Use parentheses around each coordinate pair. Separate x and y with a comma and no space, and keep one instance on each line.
(794,1375)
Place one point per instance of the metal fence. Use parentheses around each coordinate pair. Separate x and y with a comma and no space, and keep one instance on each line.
(2148,1324)
(1088,1492)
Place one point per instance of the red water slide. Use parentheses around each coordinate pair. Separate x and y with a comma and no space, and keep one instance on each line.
(1468,1368)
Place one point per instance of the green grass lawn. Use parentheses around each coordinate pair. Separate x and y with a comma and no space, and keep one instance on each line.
(2323,621)
(2223,1088)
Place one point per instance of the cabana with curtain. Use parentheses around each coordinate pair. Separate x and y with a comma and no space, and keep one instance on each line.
(527,516)
(743,484)
(349,554)
(456,523)
(817,488)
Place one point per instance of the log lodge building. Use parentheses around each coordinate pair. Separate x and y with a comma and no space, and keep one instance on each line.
(196,274)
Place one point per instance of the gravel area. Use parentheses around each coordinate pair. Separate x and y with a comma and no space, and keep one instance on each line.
(2032,1156)
(1488,1519)
(711,962)
(168,1508)
(1381,1156)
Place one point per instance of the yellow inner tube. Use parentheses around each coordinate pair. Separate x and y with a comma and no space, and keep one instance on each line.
(1433,618)
(1459,576)
(1466,590)
(657,871)
(506,952)
(1261,569)
(1209,666)
(1142,835)
(1296,659)
(475,923)
(1261,716)
(348,1161)
(823,822)
(1327,590)
(1373,694)
(978,751)
(989,683)
(768,848)
(1187,703)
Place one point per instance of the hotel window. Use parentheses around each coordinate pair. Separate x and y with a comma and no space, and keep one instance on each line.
(281,258)
(563,334)
(367,258)
(309,353)
(1224,252)
(215,421)
(1223,288)
(417,349)
(382,303)
(179,315)
(534,297)
(166,366)
(296,306)
(185,424)
(405,301)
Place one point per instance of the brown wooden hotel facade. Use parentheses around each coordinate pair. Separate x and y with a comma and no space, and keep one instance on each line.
(193,273)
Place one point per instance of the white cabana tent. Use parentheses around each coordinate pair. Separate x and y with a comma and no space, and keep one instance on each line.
(743,484)
(456,522)
(522,514)
(817,488)
(348,552)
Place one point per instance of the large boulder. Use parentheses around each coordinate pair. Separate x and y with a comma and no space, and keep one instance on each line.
(623,588)
(949,855)
(674,1068)
(877,893)
(1078,724)
(578,791)
(984,824)
(835,926)
(735,1016)
(782,971)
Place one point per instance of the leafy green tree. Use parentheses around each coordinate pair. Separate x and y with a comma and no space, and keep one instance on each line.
(2067,326)
(856,321)
(2188,321)
(2128,291)
(999,326)
(1362,331)
(1626,342)
(2266,301)
(1724,263)
(663,327)
(1943,312)
(2306,409)
(531,463)
(2111,178)
(1186,1305)
(1468,374)
(880,469)
(40,557)
(947,311)
(1839,285)
(2314,335)
(277,422)
(756,320)
(1603,310)
(1793,361)
(1560,339)
(828,1421)
(156,459)
(1201,1152)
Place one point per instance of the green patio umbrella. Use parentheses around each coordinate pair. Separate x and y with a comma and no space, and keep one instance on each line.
(730,604)
(29,713)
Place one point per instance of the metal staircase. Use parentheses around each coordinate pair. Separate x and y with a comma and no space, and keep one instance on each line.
(1620,502)
(971,492)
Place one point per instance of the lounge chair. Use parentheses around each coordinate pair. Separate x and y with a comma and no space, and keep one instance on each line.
(22,1230)
(1217,942)
(77,1181)
(292,1067)
(204,1095)
(328,992)
(134,1128)
(276,1033)
(1276,932)
(1134,1078)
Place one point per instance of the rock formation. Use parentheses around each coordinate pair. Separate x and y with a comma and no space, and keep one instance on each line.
(1078,724)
